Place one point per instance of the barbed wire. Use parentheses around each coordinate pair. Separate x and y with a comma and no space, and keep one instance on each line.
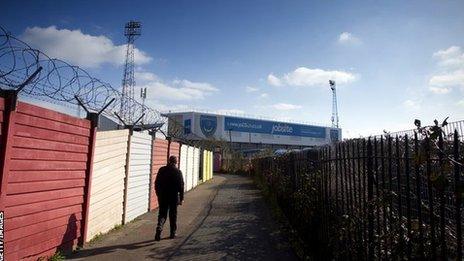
(59,82)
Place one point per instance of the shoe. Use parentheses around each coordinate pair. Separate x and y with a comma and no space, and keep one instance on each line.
(158,236)
(172,236)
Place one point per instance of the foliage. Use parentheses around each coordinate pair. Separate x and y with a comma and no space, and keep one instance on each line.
(324,194)
(55,257)
(96,238)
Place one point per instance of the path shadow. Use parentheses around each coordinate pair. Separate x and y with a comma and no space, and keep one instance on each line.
(67,241)
(108,249)
(241,229)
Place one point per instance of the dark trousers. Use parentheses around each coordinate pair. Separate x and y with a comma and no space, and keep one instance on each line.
(165,206)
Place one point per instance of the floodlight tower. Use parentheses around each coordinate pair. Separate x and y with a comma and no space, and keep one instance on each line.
(334,104)
(143,96)
(132,30)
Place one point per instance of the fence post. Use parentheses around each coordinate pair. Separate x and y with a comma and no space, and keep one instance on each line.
(93,118)
(9,117)
(169,148)
(430,198)
(383,189)
(8,125)
(370,206)
(458,194)
(292,170)
(418,195)
(364,192)
(399,192)
(442,198)
(126,177)
(408,197)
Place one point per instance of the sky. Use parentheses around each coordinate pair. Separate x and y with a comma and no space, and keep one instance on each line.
(393,62)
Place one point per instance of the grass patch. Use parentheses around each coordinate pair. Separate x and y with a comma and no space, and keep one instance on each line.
(117,227)
(95,238)
(56,257)
(99,236)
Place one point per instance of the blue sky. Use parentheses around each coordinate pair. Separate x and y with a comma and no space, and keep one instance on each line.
(393,61)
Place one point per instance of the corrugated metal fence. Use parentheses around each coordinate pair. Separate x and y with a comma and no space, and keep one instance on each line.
(62,182)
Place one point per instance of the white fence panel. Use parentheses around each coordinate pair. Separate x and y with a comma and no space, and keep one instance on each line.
(210,165)
(138,179)
(196,166)
(107,189)
(183,163)
(190,167)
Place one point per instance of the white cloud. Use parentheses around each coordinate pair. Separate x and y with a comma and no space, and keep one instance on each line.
(411,104)
(230,111)
(451,70)
(439,90)
(201,86)
(451,57)
(160,106)
(285,106)
(448,79)
(348,38)
(141,76)
(179,90)
(263,95)
(303,76)
(273,80)
(460,103)
(78,48)
(251,89)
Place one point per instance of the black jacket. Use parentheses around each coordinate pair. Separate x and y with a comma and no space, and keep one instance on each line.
(169,183)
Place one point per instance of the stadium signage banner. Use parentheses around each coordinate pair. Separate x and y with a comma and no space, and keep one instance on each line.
(270,127)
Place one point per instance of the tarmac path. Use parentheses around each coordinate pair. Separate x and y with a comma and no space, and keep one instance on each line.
(225,218)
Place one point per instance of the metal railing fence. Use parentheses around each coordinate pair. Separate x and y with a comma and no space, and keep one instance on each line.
(369,199)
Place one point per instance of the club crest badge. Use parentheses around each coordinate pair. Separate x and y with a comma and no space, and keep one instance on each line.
(208,125)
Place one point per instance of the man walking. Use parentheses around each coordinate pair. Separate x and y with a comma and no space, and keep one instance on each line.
(169,187)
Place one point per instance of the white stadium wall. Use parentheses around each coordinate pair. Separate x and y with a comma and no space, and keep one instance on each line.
(245,130)
(107,187)
(138,178)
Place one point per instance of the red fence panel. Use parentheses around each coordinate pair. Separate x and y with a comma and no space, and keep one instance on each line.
(159,159)
(2,108)
(45,175)
(174,150)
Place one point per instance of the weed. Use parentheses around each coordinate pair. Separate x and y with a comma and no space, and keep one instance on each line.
(96,238)
(56,257)
(117,227)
